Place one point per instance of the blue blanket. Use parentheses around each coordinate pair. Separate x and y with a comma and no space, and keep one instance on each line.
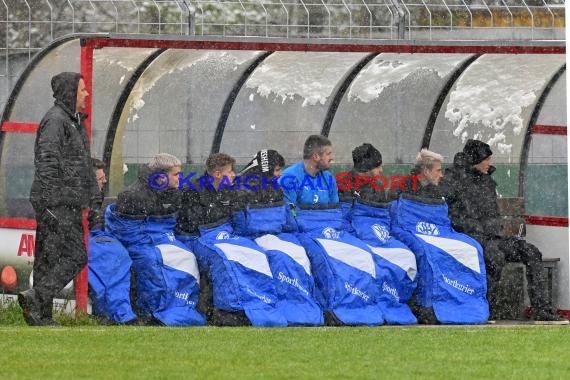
(109,277)
(451,269)
(166,272)
(343,267)
(240,274)
(287,259)
(395,263)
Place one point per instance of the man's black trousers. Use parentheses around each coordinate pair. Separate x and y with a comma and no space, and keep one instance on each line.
(499,251)
(60,253)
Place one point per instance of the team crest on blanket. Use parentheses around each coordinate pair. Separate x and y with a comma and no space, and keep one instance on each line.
(223,235)
(330,233)
(427,228)
(381,232)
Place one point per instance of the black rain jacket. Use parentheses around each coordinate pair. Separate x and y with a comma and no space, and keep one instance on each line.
(473,206)
(140,200)
(62,157)
(206,206)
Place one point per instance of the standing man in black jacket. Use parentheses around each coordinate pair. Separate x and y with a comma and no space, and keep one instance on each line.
(473,210)
(64,185)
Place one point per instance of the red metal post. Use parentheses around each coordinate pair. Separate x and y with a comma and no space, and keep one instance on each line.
(81,284)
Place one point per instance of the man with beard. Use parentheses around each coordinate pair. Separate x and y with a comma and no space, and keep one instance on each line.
(309,182)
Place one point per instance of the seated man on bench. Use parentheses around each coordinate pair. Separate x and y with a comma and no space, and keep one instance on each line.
(451,281)
(472,199)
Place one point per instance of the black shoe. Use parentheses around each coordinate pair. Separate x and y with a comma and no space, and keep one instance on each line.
(229,318)
(548,317)
(30,309)
(149,320)
(426,316)
(332,320)
(50,322)
(133,322)
(103,321)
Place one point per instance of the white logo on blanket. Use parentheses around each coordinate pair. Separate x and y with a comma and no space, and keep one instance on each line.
(331,233)
(381,232)
(223,235)
(427,228)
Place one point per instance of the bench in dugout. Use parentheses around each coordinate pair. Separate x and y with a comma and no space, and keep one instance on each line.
(512,297)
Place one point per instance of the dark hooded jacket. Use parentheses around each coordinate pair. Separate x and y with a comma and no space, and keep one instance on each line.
(207,206)
(366,192)
(62,157)
(204,206)
(454,178)
(140,200)
(473,208)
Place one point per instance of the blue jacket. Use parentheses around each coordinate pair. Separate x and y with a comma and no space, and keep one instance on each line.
(299,187)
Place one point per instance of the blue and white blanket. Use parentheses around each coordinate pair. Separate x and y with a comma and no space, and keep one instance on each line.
(451,269)
(166,272)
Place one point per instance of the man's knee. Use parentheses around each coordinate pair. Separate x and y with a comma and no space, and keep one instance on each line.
(531,252)
(494,259)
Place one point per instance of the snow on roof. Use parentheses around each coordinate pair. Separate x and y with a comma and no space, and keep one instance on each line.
(312,76)
(180,60)
(488,100)
(390,68)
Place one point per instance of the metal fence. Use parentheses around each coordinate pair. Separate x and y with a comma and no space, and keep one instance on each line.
(30,24)
(26,26)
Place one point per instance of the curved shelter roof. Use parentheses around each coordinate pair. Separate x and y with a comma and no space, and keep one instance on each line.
(194,96)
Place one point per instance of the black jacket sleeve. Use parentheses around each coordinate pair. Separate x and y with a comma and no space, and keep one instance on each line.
(48,162)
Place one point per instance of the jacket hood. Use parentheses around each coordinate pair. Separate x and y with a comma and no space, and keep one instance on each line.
(144,173)
(64,86)
(459,160)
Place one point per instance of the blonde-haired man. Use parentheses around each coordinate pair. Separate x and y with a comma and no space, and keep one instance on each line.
(156,191)
(425,176)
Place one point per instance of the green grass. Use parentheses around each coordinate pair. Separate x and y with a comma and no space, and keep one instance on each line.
(82,349)
(11,315)
(285,353)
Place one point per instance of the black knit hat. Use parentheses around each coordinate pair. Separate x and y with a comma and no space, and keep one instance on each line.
(264,163)
(476,151)
(366,157)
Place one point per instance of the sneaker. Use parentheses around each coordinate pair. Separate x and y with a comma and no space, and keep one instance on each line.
(30,310)
(545,317)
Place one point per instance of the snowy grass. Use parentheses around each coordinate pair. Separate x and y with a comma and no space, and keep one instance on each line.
(479,352)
